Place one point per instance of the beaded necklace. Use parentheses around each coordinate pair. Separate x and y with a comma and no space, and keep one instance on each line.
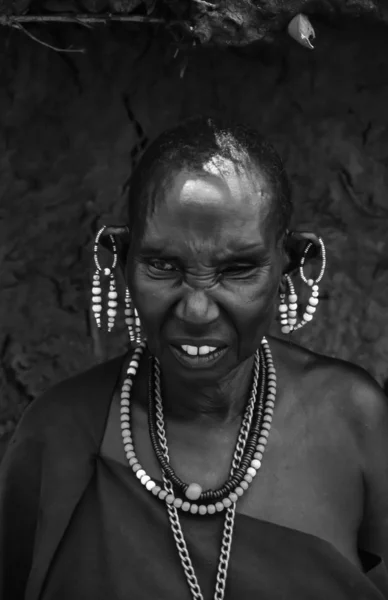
(254,434)
(245,446)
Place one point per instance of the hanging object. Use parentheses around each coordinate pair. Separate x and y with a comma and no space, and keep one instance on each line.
(302,31)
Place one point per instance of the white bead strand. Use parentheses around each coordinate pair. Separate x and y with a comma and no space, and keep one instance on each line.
(288,313)
(132,320)
(129,316)
(292,304)
(167,494)
(311,305)
(269,404)
(137,327)
(313,283)
(112,303)
(240,446)
(97,288)
(97,298)
(283,309)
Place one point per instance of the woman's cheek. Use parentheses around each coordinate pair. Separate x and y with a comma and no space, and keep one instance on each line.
(259,305)
(152,299)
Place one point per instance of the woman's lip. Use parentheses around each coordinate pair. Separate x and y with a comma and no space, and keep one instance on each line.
(198,343)
(200,360)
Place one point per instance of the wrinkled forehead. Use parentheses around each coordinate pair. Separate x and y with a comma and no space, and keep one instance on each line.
(218,201)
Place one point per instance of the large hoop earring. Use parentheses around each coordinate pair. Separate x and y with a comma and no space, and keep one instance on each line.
(288,312)
(132,319)
(97,289)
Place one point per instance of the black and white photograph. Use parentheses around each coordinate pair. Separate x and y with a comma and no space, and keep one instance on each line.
(193,299)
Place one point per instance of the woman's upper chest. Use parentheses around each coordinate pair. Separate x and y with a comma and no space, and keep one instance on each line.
(309,479)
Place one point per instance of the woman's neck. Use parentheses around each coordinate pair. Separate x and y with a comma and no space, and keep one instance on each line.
(221,402)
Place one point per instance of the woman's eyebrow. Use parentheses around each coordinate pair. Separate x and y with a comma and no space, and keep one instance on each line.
(252,251)
(154,250)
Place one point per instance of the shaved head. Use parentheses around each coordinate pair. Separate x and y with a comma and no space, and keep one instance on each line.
(215,149)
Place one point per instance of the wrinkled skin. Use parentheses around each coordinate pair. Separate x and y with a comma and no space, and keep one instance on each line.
(325,468)
(208,266)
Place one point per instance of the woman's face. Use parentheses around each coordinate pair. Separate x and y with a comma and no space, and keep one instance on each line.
(206,273)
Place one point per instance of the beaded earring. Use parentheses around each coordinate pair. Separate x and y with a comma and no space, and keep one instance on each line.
(288,312)
(132,319)
(97,289)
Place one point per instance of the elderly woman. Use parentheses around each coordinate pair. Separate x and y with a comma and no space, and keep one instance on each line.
(211,461)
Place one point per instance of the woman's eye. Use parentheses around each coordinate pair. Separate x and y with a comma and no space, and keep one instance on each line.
(238,269)
(161,265)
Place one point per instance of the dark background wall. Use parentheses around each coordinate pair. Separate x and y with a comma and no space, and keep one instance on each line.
(65,143)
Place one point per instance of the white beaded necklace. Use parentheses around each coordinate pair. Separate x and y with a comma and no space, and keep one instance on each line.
(167,494)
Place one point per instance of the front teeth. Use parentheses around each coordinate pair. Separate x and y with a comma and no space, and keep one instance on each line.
(194,350)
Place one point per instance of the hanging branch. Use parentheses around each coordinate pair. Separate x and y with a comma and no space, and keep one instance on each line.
(33,37)
(85,20)
(11,21)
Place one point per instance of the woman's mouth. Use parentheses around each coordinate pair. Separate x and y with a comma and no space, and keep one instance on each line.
(198,355)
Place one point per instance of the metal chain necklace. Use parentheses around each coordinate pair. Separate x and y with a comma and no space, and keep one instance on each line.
(168,493)
(227,535)
(221,498)
(176,528)
(184,555)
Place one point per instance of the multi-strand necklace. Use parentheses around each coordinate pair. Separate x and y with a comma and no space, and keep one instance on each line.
(176,494)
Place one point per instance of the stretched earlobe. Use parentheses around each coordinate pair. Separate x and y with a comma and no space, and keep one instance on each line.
(122,238)
(120,232)
(289,312)
(296,243)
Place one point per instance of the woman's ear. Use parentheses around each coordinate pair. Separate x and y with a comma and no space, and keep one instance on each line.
(121,237)
(295,245)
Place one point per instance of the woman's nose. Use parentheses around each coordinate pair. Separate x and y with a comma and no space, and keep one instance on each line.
(197,308)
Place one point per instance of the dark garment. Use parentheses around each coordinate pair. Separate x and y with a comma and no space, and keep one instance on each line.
(77,526)
(119,545)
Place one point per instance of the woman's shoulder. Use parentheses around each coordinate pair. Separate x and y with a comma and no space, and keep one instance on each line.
(81,400)
(341,384)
